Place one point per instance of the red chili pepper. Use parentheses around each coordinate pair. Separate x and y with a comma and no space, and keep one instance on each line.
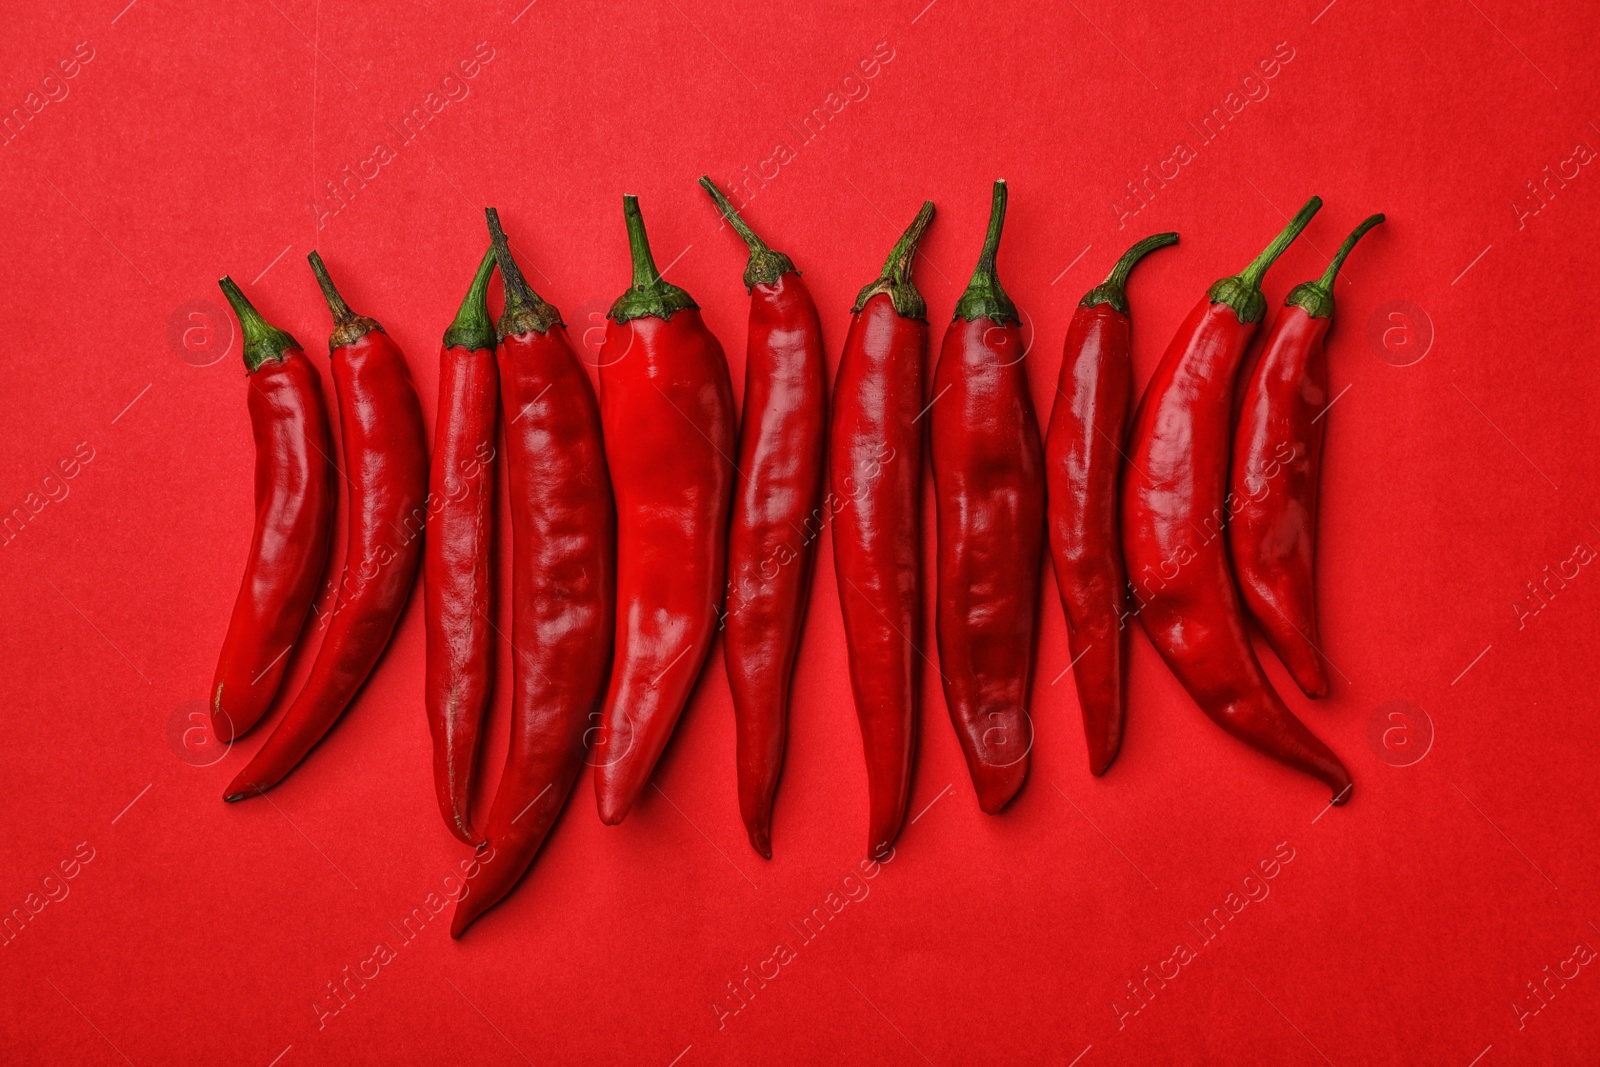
(1083,465)
(1174,508)
(776,519)
(563,580)
(988,477)
(1277,455)
(667,406)
(295,499)
(457,553)
(875,466)
(386,466)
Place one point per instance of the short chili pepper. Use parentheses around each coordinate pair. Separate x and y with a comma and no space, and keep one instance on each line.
(563,580)
(386,466)
(988,477)
(875,468)
(458,551)
(1277,457)
(296,494)
(1174,509)
(776,516)
(1083,468)
(666,402)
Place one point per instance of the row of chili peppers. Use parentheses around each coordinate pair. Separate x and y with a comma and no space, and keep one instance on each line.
(642,520)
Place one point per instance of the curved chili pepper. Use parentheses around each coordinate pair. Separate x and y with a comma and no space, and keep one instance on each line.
(875,466)
(1277,455)
(1083,466)
(386,466)
(666,402)
(457,553)
(295,499)
(772,538)
(1174,507)
(563,580)
(988,478)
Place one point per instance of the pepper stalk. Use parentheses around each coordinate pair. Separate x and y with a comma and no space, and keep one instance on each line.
(1242,291)
(1317,297)
(348,327)
(650,295)
(895,279)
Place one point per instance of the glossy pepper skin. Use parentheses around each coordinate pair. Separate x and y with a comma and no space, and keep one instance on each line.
(563,581)
(295,499)
(458,551)
(1277,458)
(666,402)
(988,476)
(776,518)
(875,471)
(1083,468)
(386,466)
(1173,511)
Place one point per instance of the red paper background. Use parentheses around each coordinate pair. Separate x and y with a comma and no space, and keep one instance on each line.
(1405,926)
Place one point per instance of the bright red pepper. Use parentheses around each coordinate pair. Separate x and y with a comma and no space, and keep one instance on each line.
(563,581)
(386,466)
(875,468)
(776,517)
(1277,457)
(988,476)
(666,402)
(458,551)
(1174,509)
(295,498)
(1083,466)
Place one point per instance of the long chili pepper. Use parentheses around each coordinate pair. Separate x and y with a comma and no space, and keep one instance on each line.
(1083,466)
(988,477)
(295,498)
(1277,456)
(666,402)
(563,579)
(772,537)
(457,552)
(875,469)
(1174,508)
(386,465)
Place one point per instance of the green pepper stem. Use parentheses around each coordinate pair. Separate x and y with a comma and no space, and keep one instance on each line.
(341,311)
(895,279)
(472,329)
(1114,290)
(1242,291)
(262,340)
(984,297)
(1317,297)
(650,295)
(348,327)
(1257,268)
(644,264)
(1326,281)
(765,266)
(526,311)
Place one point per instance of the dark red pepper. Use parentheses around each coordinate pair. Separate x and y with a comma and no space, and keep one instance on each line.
(1083,466)
(386,466)
(563,581)
(458,552)
(776,518)
(875,470)
(666,402)
(1174,509)
(296,494)
(988,476)
(1277,457)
